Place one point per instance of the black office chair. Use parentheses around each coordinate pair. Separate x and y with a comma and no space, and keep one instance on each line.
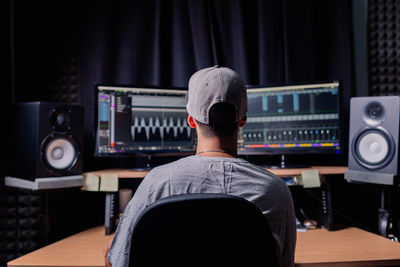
(202,230)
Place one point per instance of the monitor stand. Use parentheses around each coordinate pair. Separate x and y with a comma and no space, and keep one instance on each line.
(148,166)
(283,165)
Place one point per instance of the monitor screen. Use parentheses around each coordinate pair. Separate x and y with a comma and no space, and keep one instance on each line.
(135,120)
(292,119)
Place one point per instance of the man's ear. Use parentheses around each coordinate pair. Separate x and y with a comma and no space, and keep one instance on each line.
(243,121)
(191,122)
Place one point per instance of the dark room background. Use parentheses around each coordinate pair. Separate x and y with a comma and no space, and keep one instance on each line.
(62,49)
(58,50)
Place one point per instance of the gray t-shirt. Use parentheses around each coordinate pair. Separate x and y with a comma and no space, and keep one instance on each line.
(198,174)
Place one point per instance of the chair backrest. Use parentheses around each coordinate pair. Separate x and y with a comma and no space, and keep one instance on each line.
(202,230)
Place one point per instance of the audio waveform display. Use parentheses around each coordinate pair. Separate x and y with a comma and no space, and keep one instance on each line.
(154,128)
(148,126)
(144,120)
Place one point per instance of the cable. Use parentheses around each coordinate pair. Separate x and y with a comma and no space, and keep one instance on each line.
(358,224)
(306,217)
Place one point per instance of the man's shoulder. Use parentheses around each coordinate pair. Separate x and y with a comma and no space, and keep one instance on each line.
(256,168)
(169,168)
(268,177)
(173,164)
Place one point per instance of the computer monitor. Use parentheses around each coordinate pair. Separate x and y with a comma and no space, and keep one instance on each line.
(134,121)
(292,119)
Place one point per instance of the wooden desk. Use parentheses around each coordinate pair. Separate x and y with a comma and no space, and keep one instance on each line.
(323,170)
(82,249)
(347,247)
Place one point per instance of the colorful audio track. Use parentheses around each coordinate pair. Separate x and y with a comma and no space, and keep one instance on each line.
(293,145)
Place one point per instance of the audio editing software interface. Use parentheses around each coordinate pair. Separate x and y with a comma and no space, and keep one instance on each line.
(142,119)
(301,118)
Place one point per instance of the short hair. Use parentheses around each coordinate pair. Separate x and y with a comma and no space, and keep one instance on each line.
(221,121)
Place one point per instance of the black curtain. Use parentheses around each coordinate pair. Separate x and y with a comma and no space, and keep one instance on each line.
(162,42)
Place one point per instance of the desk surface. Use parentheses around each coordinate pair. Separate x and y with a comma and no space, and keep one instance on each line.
(349,247)
(82,249)
(323,170)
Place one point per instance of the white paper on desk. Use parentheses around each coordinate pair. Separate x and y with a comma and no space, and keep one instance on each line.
(91,182)
(310,178)
(109,182)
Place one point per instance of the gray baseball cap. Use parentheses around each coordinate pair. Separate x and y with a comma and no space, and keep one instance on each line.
(214,85)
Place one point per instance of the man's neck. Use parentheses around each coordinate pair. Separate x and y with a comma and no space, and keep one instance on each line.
(216,147)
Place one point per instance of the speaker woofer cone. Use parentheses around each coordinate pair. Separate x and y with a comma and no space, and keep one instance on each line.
(60,153)
(373,148)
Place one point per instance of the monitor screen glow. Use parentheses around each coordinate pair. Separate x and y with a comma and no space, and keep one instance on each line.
(292,119)
(135,120)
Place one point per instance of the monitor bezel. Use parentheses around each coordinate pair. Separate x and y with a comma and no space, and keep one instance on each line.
(133,153)
(304,150)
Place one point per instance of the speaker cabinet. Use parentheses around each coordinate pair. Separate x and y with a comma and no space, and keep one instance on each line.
(47,139)
(374,139)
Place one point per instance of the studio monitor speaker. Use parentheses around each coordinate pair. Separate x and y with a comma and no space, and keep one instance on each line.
(47,139)
(374,140)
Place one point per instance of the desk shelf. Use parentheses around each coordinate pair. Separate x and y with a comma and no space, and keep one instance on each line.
(47,183)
